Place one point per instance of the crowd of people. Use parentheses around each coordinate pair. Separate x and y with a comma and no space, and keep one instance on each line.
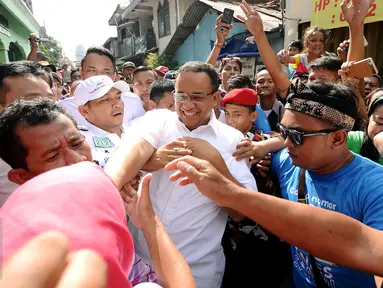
(145,177)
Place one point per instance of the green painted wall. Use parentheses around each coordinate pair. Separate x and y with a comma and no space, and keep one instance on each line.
(19,27)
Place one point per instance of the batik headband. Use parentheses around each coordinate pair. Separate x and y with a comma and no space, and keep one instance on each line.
(316,109)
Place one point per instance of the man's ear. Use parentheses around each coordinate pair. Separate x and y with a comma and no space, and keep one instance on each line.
(339,138)
(84,111)
(254,116)
(18,176)
(152,105)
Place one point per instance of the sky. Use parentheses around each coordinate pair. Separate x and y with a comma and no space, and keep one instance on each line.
(74,22)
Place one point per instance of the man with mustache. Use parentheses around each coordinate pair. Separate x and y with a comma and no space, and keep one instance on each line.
(99,102)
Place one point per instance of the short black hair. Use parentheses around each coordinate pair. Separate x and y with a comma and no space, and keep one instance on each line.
(100,50)
(201,67)
(239,81)
(140,69)
(25,113)
(18,68)
(297,44)
(261,68)
(159,88)
(329,63)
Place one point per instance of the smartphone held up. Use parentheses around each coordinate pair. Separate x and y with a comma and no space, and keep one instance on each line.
(227,18)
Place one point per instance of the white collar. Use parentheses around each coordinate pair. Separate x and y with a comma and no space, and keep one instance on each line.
(100,132)
(213,123)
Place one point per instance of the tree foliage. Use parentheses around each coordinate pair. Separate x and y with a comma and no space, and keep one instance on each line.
(53,51)
(154,60)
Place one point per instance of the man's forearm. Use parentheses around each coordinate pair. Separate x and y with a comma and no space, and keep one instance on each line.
(127,160)
(212,58)
(324,234)
(356,51)
(169,264)
(33,55)
(273,66)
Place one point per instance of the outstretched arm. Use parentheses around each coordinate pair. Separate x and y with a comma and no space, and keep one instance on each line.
(325,234)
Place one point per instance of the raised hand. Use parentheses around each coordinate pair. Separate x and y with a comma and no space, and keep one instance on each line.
(138,204)
(166,154)
(222,30)
(355,11)
(253,20)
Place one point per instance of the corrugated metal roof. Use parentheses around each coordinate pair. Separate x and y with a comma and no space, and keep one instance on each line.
(197,10)
(271,18)
(193,15)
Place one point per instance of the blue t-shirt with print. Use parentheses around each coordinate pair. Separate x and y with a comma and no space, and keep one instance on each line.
(356,190)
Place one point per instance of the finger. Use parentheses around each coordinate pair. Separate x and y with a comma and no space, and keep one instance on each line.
(263,168)
(38,263)
(175,176)
(143,190)
(254,161)
(176,143)
(267,157)
(247,7)
(245,155)
(218,20)
(197,163)
(128,191)
(185,182)
(242,19)
(86,269)
(180,152)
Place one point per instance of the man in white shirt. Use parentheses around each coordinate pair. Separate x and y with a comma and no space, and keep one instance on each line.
(100,61)
(99,102)
(18,80)
(194,223)
(143,78)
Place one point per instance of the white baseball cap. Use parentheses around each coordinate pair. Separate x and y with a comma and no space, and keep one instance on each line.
(96,87)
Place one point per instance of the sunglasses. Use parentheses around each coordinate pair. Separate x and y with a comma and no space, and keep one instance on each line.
(231,58)
(297,137)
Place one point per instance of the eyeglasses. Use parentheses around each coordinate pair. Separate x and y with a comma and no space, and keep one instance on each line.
(297,137)
(195,98)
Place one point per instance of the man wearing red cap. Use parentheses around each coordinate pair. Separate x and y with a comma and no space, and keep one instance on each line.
(161,71)
(249,248)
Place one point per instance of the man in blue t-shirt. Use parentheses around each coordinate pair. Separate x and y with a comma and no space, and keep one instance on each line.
(318,169)
(318,117)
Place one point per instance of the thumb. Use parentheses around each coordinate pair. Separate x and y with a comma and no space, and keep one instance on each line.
(143,190)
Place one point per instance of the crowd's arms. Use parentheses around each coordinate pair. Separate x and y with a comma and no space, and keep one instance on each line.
(128,159)
(325,234)
(170,266)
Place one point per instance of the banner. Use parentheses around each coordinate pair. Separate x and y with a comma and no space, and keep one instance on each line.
(328,13)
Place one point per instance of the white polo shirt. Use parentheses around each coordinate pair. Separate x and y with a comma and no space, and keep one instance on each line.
(193,221)
(101,142)
(132,108)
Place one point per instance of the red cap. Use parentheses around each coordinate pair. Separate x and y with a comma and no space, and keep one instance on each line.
(243,96)
(162,69)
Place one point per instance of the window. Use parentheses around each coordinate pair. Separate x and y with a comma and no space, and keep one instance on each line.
(163,16)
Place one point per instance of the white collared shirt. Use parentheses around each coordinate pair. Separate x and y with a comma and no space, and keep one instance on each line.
(193,221)
(6,187)
(132,108)
(101,142)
